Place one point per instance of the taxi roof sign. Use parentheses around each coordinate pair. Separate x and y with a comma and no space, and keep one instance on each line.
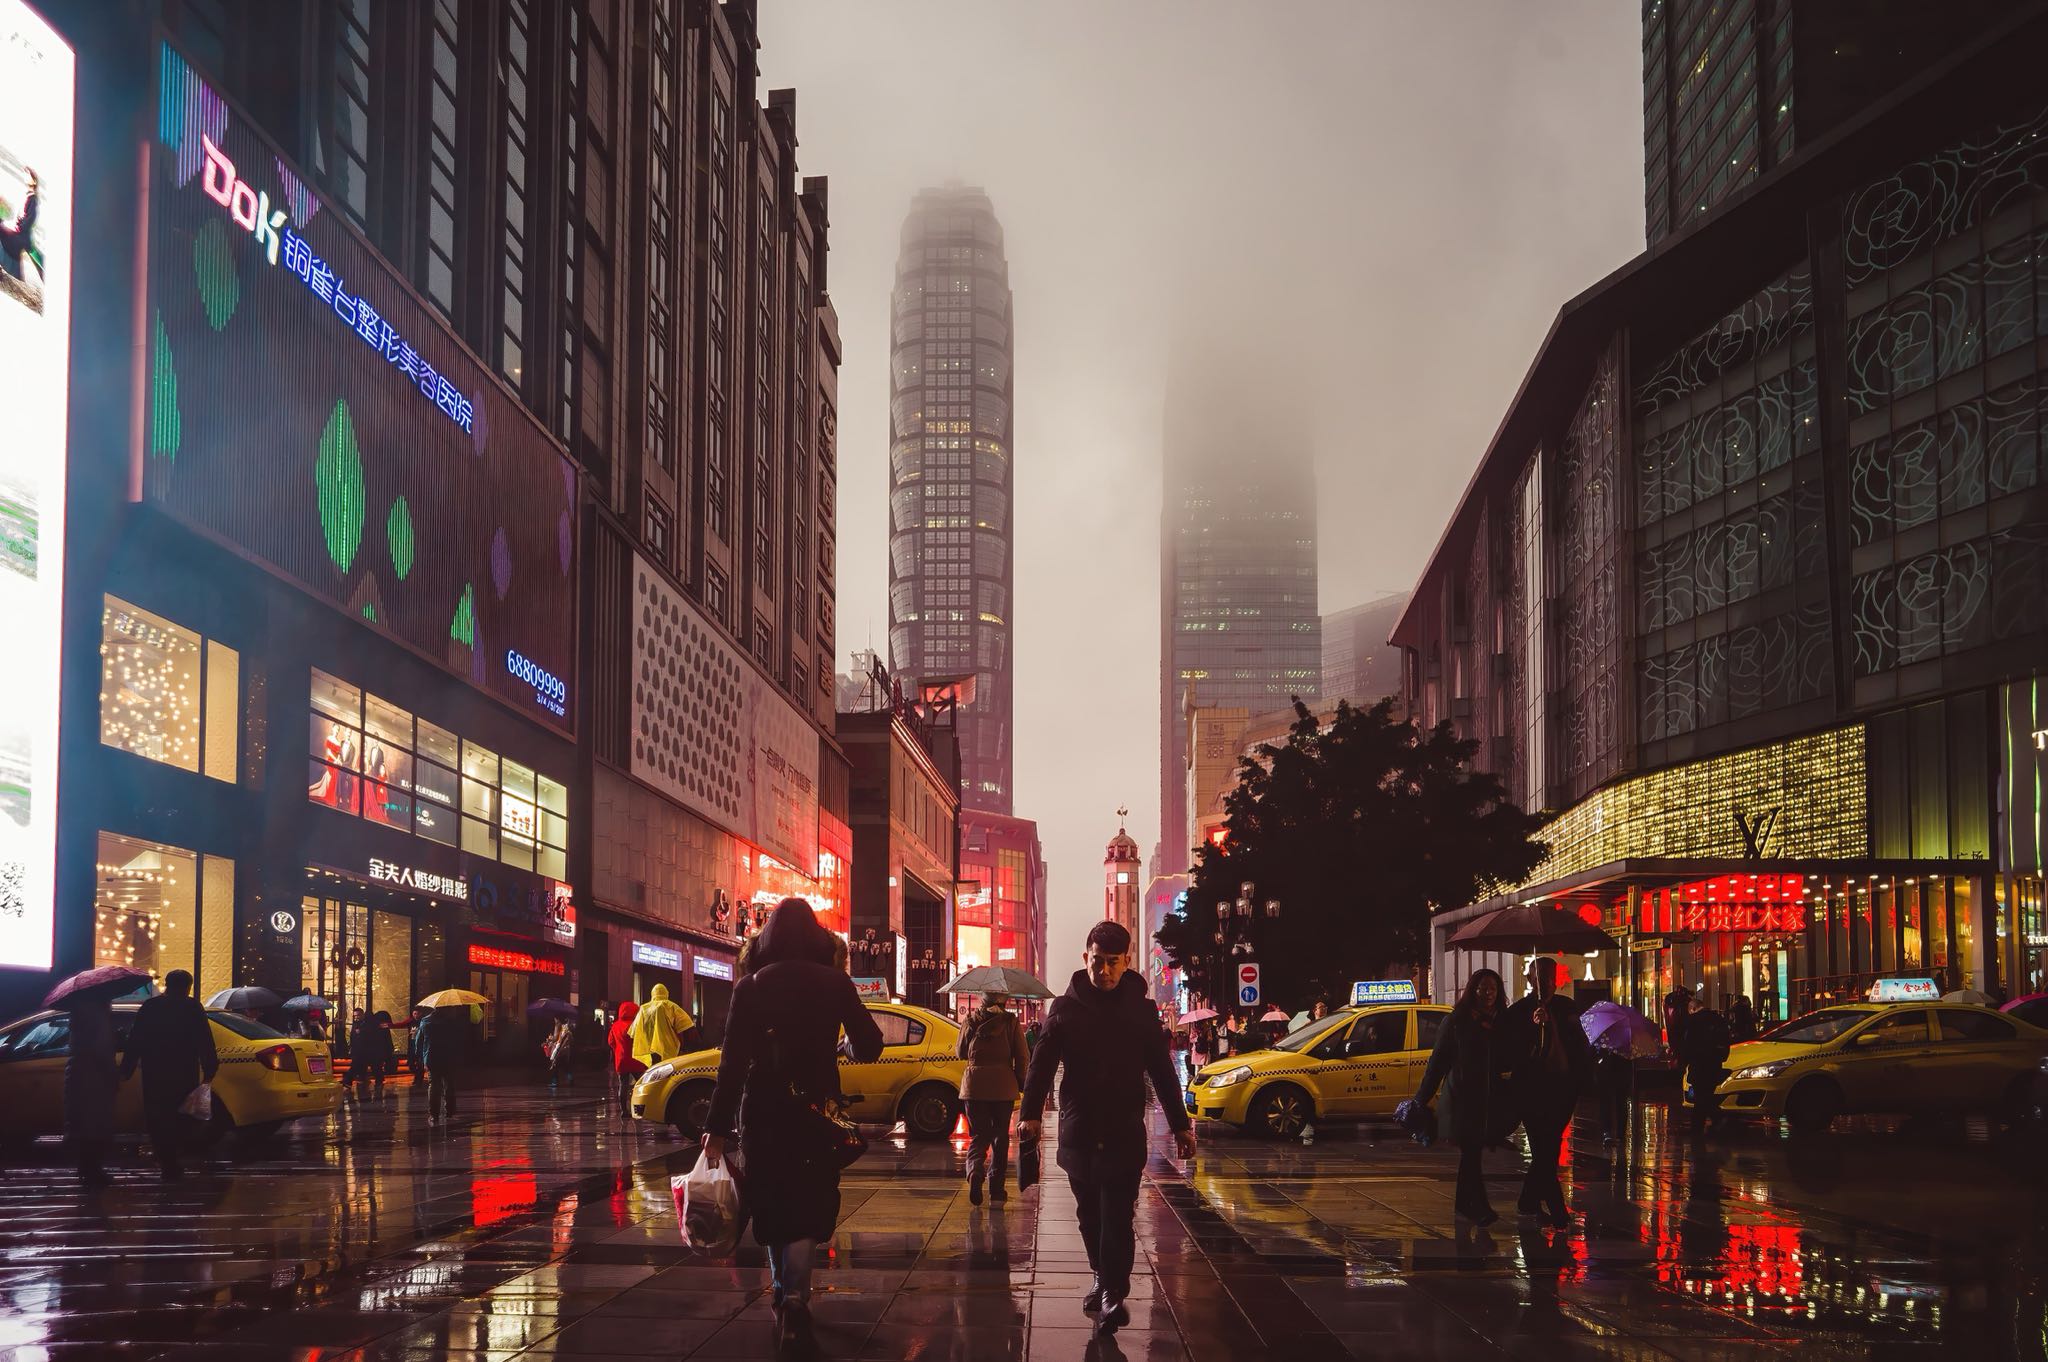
(1905,991)
(1367,991)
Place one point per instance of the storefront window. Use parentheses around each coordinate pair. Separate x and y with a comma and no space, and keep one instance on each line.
(158,908)
(378,762)
(166,693)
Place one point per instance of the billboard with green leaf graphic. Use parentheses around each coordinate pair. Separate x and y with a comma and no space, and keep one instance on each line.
(308,410)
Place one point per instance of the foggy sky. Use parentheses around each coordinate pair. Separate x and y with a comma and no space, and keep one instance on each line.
(1369,210)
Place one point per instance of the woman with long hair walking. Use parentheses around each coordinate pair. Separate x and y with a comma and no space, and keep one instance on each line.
(778,1072)
(1473,1063)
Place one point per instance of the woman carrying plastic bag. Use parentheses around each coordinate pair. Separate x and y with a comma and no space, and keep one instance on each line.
(708,1207)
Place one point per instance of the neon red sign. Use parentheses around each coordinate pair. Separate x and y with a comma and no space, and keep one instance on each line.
(491,957)
(1729,903)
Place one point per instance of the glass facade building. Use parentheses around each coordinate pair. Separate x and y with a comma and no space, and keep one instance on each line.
(1748,593)
(1238,625)
(951,560)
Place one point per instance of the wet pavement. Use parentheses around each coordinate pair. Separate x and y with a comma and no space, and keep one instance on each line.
(538,1228)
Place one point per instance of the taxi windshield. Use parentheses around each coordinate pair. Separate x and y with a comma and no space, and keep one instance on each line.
(1310,1033)
(1816,1028)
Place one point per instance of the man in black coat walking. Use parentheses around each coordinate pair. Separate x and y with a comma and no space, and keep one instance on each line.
(1107,1034)
(173,1045)
(1555,1063)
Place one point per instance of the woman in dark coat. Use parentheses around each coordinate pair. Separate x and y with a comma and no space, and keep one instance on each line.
(781,1055)
(91,1078)
(1475,1055)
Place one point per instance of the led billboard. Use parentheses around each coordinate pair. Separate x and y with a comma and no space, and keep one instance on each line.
(36,86)
(306,409)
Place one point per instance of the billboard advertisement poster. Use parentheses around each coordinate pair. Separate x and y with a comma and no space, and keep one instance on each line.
(308,410)
(37,76)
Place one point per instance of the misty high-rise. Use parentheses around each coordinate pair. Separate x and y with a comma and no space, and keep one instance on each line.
(1237,574)
(950,481)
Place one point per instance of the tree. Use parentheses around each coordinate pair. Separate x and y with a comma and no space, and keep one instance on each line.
(1360,831)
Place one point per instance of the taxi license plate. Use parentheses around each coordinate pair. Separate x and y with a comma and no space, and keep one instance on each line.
(316,1064)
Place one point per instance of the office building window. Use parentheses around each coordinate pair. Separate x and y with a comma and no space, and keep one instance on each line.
(512,79)
(442,85)
(346,148)
(660,527)
(166,693)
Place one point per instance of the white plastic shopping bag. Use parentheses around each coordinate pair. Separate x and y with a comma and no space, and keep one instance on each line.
(198,1103)
(708,1207)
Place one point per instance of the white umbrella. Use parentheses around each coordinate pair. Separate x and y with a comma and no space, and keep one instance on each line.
(1970,996)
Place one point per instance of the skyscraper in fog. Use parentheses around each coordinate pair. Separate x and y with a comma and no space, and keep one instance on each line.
(950,482)
(1237,580)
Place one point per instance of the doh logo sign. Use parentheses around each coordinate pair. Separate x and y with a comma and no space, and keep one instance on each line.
(250,209)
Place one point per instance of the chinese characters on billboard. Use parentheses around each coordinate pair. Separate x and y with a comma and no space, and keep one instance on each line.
(382,469)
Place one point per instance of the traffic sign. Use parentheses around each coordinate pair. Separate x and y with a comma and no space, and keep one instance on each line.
(1247,985)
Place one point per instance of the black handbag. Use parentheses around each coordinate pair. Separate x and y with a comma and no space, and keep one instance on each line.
(1027,1162)
(817,1129)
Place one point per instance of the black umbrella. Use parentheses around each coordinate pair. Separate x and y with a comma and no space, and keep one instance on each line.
(1531,927)
(551,1007)
(109,981)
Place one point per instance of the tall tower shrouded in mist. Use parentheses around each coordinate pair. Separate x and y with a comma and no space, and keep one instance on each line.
(951,560)
(1237,573)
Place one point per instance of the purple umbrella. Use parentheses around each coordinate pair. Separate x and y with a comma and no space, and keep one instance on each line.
(113,980)
(1620,1030)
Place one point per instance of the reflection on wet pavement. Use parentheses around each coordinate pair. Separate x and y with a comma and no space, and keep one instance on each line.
(537,1228)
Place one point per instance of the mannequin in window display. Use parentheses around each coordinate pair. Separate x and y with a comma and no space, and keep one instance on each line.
(335,786)
(376,793)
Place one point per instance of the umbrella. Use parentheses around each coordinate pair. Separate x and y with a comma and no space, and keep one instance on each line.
(308,1002)
(1200,1014)
(449,997)
(244,999)
(1015,983)
(1299,1020)
(551,1007)
(1968,995)
(1275,1015)
(112,980)
(1531,927)
(1620,1030)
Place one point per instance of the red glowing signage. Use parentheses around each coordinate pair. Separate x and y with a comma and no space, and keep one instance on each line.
(1728,903)
(491,957)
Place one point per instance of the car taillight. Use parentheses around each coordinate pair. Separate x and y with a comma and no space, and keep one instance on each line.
(279,1058)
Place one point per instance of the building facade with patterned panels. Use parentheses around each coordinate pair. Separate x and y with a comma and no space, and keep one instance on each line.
(1750,591)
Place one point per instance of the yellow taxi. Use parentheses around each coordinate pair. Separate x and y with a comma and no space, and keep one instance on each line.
(266,1078)
(1891,1058)
(916,1080)
(1357,1062)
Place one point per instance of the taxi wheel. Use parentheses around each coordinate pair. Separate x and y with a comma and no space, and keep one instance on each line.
(930,1111)
(690,1107)
(1813,1106)
(1281,1112)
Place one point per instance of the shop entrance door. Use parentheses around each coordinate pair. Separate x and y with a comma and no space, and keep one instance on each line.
(504,1030)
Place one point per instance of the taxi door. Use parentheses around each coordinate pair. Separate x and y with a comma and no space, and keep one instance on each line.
(32,1056)
(1883,1062)
(1367,1080)
(1977,1056)
(872,1090)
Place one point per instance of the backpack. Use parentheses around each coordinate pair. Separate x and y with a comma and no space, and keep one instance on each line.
(989,1042)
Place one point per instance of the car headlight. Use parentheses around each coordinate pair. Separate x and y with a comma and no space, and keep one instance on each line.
(1770,1070)
(1231,1077)
(659,1072)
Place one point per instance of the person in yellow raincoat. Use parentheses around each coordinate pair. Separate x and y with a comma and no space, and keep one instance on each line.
(659,1029)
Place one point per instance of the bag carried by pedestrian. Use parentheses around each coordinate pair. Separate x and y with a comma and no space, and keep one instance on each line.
(816,1129)
(198,1103)
(708,1207)
(1027,1163)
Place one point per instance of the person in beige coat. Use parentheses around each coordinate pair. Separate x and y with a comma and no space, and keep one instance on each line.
(992,1043)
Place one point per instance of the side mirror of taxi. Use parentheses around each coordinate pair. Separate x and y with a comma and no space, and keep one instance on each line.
(1868,1039)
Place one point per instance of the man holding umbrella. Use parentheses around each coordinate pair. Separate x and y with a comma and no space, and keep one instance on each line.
(442,1044)
(92,1073)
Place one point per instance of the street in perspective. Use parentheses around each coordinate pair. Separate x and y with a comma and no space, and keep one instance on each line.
(1333,679)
